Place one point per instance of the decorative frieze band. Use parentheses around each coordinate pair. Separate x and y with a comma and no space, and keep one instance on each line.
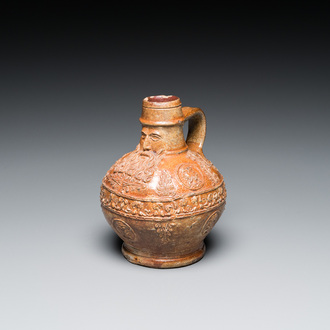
(178,208)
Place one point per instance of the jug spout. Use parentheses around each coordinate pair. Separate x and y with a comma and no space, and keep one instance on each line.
(161,110)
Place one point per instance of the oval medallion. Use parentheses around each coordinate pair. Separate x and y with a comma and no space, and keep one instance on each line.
(123,229)
(210,222)
(191,176)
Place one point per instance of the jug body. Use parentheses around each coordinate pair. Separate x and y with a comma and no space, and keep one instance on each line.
(163,198)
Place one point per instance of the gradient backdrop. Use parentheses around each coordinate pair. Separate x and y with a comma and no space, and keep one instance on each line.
(72,84)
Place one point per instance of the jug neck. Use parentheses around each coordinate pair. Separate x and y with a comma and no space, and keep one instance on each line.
(163,138)
(162,124)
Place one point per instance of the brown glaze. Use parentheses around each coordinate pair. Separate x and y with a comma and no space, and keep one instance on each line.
(163,198)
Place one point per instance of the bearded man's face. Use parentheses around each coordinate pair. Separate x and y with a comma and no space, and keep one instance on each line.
(152,140)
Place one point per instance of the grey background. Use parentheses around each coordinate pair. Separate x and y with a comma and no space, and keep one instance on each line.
(71,93)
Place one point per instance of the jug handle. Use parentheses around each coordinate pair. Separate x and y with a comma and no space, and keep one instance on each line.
(196,128)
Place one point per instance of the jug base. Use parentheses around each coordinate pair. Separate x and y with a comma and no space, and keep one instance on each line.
(155,262)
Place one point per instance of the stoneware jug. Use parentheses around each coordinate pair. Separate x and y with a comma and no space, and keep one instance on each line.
(163,198)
